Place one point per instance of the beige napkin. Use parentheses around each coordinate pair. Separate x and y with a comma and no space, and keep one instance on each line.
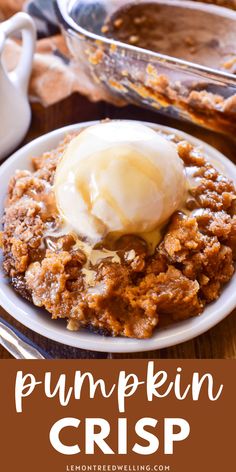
(53,78)
(9,7)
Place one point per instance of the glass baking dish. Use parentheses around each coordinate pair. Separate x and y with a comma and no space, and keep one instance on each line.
(116,64)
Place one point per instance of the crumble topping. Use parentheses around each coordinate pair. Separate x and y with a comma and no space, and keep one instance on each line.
(123,290)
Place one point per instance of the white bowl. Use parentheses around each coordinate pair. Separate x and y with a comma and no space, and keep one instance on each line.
(39,320)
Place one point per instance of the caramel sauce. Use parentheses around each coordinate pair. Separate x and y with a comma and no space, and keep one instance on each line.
(99,164)
(47,202)
(107,197)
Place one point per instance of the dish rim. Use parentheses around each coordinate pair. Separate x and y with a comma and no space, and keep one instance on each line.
(174,334)
(226,77)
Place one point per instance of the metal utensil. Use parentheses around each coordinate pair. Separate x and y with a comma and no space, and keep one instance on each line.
(18,345)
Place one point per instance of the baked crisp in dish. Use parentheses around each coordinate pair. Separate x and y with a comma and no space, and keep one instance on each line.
(177,32)
(120,288)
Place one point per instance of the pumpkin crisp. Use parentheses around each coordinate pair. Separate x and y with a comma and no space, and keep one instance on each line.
(135,292)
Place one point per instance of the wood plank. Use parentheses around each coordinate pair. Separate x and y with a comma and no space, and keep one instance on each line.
(219,342)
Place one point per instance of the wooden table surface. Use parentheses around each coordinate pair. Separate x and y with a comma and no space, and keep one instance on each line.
(219,342)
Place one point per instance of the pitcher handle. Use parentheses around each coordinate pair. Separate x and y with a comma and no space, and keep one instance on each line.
(21,22)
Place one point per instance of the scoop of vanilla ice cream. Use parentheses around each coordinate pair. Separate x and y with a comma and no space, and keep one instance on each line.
(119,176)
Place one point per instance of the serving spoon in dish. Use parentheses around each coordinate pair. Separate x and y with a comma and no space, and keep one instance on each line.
(174,56)
(193,32)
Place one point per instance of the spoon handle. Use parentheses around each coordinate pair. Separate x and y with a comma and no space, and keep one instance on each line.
(18,345)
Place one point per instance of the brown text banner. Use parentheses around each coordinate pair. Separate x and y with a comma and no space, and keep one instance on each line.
(118,415)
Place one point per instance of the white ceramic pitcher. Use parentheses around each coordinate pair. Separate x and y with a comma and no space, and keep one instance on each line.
(15,112)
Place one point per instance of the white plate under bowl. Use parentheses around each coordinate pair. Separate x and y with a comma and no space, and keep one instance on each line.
(39,320)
